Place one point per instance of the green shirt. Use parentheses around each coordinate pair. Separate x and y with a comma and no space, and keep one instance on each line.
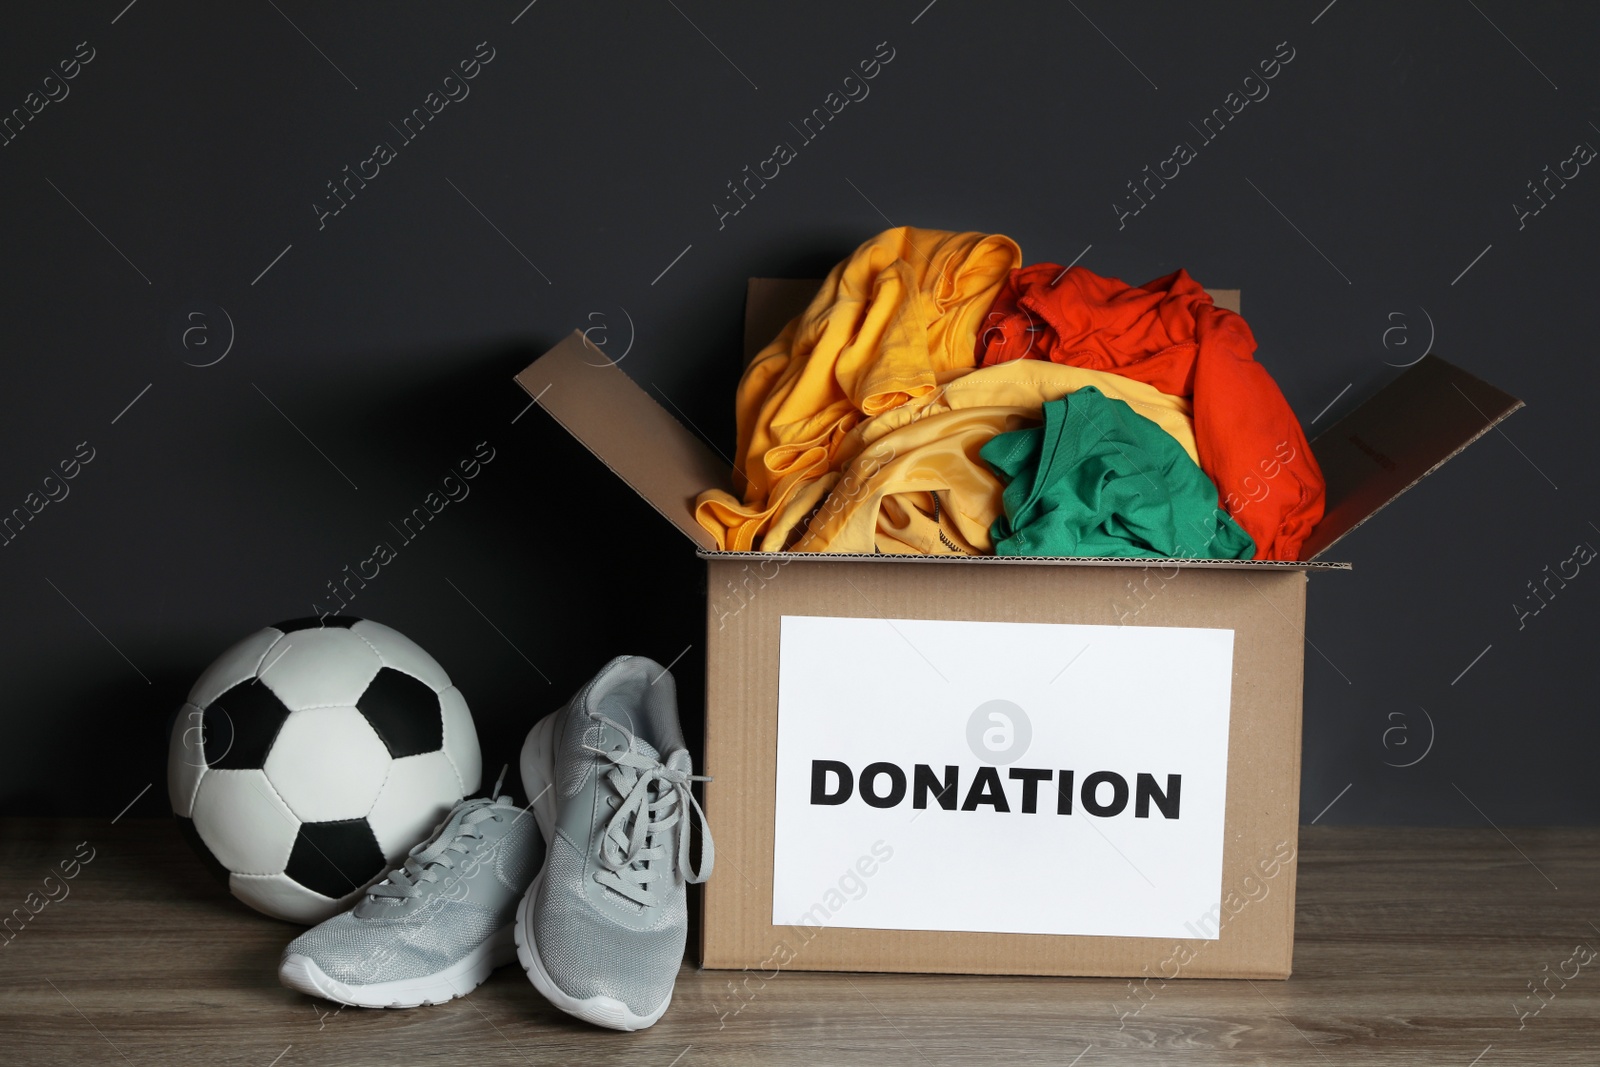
(1099,479)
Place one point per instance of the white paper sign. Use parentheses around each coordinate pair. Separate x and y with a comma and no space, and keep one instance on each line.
(1001,777)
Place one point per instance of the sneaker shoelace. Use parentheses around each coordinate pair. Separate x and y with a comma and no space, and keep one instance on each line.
(648,827)
(427,864)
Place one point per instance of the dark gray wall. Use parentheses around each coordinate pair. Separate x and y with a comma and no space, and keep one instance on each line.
(1366,204)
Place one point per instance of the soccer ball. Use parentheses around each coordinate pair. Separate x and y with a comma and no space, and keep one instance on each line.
(312,756)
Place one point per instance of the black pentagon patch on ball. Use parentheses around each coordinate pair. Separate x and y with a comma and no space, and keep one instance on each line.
(403,712)
(335,858)
(239,727)
(191,835)
(313,622)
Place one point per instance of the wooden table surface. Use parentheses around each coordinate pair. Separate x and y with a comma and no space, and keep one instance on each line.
(1414,946)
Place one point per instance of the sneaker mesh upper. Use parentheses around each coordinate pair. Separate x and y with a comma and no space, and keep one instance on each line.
(372,951)
(588,954)
(455,915)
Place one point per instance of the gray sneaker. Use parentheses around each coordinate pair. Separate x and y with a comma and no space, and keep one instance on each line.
(601,930)
(437,925)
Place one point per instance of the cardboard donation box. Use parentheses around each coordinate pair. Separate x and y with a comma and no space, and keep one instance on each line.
(1003,765)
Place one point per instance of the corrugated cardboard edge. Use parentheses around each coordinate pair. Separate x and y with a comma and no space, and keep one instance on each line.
(627,430)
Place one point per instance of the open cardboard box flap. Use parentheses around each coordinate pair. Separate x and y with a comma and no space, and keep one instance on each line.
(1397,437)
(630,433)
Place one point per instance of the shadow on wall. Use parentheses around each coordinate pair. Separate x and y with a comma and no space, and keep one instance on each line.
(529,577)
(107,740)
(550,547)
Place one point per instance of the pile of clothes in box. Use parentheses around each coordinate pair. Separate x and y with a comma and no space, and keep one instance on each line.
(939,397)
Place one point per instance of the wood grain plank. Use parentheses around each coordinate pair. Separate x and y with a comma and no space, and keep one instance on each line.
(1414,946)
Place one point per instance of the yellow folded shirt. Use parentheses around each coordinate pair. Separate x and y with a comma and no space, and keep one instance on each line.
(911,480)
(887,324)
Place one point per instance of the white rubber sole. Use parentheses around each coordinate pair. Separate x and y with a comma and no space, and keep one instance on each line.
(301,973)
(538,781)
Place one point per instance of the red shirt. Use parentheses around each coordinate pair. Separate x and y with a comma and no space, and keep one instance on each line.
(1167,333)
